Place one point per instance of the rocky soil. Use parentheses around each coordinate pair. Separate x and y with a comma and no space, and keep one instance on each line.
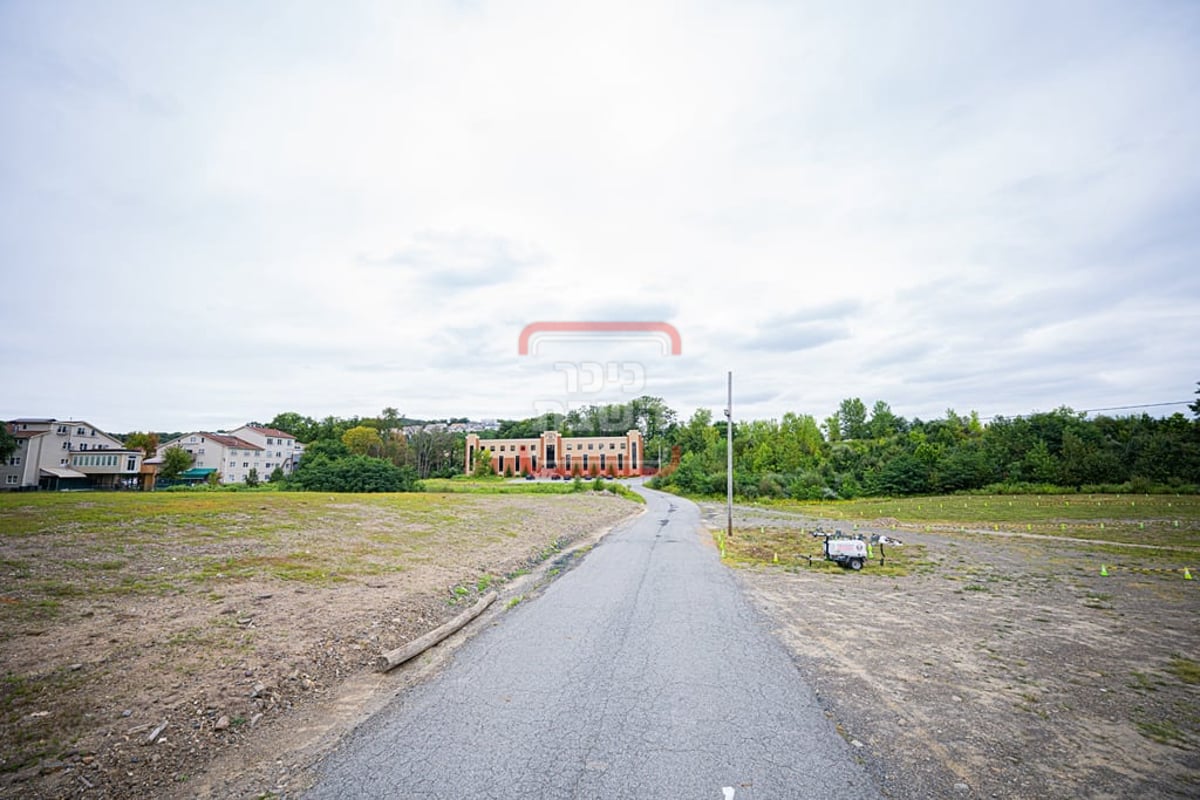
(234,688)
(1004,667)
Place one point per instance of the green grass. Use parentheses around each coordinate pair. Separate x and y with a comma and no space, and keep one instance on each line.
(1162,520)
(1163,732)
(494,485)
(1185,669)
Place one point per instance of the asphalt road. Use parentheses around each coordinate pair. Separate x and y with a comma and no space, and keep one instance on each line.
(642,673)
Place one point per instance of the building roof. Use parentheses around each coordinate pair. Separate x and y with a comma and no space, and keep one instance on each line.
(220,438)
(231,441)
(16,434)
(62,472)
(271,431)
(42,420)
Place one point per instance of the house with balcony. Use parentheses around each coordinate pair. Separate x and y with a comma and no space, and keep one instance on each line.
(279,448)
(230,457)
(67,454)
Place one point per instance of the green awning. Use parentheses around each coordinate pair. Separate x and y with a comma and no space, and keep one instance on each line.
(197,473)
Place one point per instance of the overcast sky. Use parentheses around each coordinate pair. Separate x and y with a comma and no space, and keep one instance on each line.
(212,212)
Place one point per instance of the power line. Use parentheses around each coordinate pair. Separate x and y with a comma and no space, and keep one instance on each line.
(1143,405)
(1108,408)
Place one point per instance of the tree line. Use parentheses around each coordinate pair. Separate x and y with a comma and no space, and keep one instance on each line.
(855,452)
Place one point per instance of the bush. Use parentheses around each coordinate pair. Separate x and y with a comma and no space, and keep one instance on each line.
(353,474)
(771,486)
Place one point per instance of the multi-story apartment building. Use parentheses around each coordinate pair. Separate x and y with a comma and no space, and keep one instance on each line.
(229,456)
(280,448)
(555,454)
(67,454)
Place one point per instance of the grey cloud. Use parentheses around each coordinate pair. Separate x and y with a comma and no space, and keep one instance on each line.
(804,329)
(793,337)
(460,259)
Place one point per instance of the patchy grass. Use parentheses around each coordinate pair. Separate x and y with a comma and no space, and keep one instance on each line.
(158,544)
(789,548)
(1185,669)
(167,592)
(1163,520)
(1163,732)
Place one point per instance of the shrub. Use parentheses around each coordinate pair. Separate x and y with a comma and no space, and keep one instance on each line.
(354,474)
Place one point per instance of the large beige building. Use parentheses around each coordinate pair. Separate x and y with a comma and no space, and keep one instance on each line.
(228,456)
(67,454)
(234,453)
(280,448)
(554,454)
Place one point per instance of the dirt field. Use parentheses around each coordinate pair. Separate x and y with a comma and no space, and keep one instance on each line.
(990,662)
(210,645)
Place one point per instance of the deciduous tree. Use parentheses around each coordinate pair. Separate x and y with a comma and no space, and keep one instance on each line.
(175,461)
(146,442)
(362,441)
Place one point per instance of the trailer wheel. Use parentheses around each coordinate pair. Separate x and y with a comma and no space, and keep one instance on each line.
(856,564)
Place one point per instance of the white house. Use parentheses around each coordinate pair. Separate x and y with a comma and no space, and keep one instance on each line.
(230,456)
(280,448)
(67,454)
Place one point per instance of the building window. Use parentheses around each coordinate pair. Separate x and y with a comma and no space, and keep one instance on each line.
(11,480)
(585,462)
(83,446)
(66,446)
(62,462)
(590,445)
(620,462)
(622,445)
(15,461)
(270,441)
(79,431)
(602,465)
(200,451)
(245,464)
(131,463)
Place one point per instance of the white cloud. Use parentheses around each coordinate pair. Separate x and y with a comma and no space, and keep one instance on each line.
(247,209)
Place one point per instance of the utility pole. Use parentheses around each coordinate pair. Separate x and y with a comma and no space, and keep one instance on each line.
(729,461)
